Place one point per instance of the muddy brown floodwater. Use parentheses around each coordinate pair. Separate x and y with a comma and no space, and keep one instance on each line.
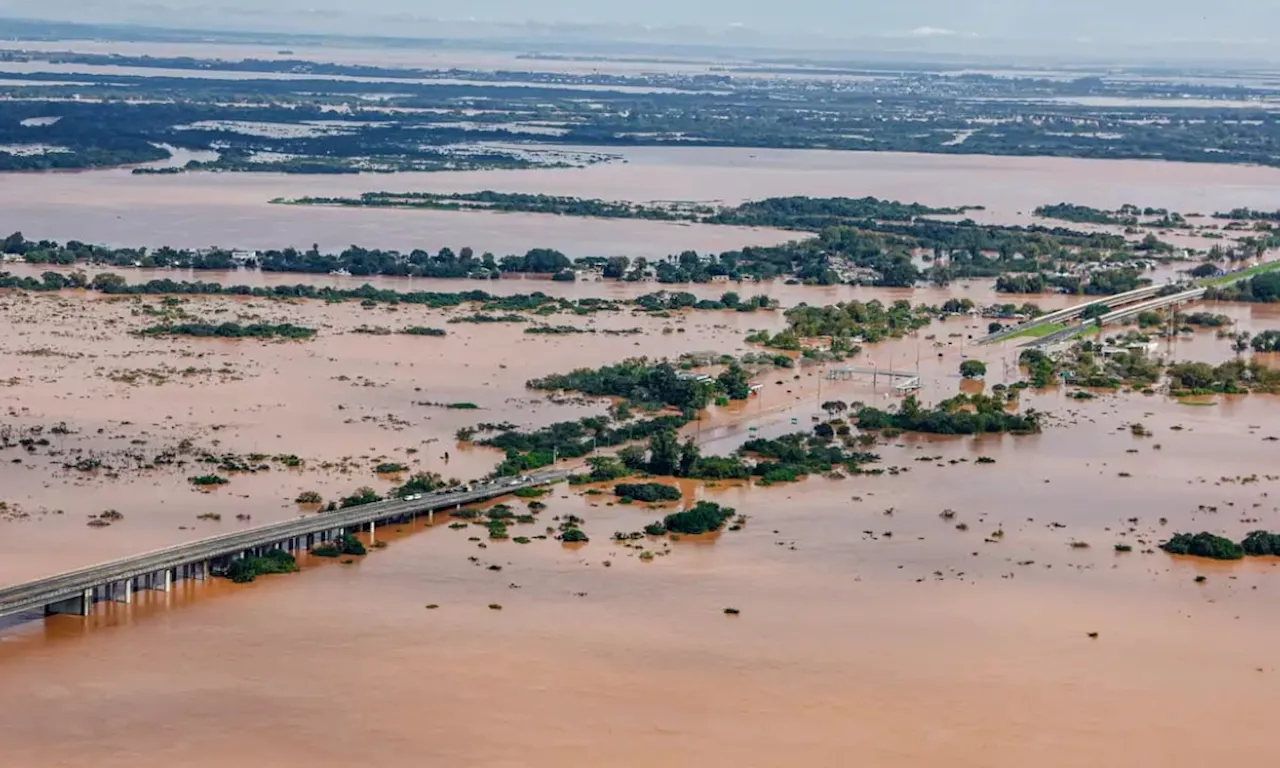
(233,209)
(872,630)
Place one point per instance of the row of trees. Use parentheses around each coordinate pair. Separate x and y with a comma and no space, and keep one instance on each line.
(1204,544)
(643,382)
(960,415)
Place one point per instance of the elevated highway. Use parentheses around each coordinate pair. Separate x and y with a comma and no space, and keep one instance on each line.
(1073,312)
(1119,315)
(76,592)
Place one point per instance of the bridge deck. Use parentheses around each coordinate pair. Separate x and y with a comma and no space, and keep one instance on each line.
(43,592)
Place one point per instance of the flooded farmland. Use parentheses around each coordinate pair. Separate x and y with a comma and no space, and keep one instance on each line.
(868,621)
(234,209)
(873,629)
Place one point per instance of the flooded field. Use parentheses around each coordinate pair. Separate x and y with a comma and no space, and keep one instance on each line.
(868,621)
(944,613)
(233,209)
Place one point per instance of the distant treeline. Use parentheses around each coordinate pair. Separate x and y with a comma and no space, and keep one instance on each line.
(866,241)
(803,213)
(537,303)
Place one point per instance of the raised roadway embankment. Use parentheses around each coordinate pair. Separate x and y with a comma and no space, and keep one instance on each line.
(76,591)
(1123,305)
(1072,312)
(1117,315)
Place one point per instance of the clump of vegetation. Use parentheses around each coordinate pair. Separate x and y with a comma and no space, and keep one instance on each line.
(973,369)
(647,492)
(603,468)
(483,317)
(111,516)
(960,415)
(418,330)
(247,569)
(1203,545)
(704,517)
(574,536)
(1261,544)
(1123,548)
(230,331)
(345,545)
(309,497)
(646,383)
(390,468)
(848,323)
(208,480)
(363,495)
(1232,377)
(421,482)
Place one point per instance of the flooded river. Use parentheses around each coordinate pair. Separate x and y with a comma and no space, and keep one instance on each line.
(869,626)
(873,630)
(233,209)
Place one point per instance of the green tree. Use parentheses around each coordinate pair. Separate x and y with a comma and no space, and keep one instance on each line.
(664,453)
(689,455)
(1266,287)
(607,467)
(14,243)
(973,369)
(735,382)
(108,282)
(634,457)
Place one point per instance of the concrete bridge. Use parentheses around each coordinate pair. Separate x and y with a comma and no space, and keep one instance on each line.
(1118,315)
(1125,305)
(77,591)
(1074,311)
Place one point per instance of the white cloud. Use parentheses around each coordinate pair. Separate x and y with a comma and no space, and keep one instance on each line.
(932,32)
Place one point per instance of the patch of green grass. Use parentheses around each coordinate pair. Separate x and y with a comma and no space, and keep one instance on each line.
(1039,331)
(1236,276)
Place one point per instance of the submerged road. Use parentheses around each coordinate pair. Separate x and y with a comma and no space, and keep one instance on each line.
(76,591)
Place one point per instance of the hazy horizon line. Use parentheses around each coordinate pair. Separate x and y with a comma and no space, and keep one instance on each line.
(921,41)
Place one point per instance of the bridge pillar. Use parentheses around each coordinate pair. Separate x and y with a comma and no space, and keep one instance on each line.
(160,581)
(370,531)
(81,605)
(121,592)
